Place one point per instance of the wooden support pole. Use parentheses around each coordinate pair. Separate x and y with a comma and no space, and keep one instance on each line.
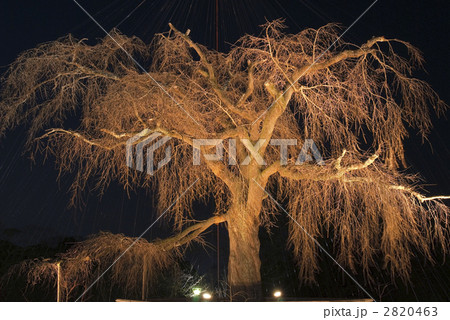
(58,282)
(144,271)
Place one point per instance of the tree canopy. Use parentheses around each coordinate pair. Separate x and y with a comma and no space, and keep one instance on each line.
(356,102)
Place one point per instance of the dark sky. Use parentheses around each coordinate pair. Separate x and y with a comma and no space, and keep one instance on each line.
(34,203)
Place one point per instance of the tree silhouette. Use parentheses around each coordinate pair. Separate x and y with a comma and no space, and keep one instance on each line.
(354,102)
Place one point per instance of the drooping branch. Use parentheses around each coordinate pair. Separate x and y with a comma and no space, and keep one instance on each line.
(312,172)
(218,168)
(130,260)
(81,72)
(234,132)
(275,60)
(93,72)
(423,199)
(79,136)
(406,189)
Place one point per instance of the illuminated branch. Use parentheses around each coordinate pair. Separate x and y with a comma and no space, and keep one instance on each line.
(146,132)
(79,136)
(406,189)
(96,73)
(211,75)
(281,99)
(218,168)
(250,85)
(274,112)
(315,172)
(234,132)
(423,199)
(275,60)
(364,50)
(190,233)
(419,196)
(315,175)
(223,173)
(117,135)
(269,171)
(360,166)
(88,73)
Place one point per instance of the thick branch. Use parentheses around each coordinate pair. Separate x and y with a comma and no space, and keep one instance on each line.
(269,171)
(224,174)
(233,132)
(218,168)
(303,174)
(250,85)
(365,164)
(282,98)
(211,75)
(340,172)
(190,233)
(365,49)
(273,113)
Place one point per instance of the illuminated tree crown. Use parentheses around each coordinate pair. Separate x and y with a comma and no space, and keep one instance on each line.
(355,103)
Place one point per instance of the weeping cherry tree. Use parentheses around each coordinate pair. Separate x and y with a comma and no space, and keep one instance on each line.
(355,102)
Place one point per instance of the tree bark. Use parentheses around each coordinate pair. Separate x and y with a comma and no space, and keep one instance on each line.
(244,264)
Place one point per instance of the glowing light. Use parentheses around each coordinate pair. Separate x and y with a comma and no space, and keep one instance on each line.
(277,294)
(197,291)
(207,296)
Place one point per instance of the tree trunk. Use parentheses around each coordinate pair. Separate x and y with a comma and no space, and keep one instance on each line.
(244,276)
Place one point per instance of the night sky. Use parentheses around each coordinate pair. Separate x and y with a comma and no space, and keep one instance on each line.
(33,204)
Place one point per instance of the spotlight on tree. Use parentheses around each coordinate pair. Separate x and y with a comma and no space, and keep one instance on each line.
(277,294)
(196,291)
(207,296)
